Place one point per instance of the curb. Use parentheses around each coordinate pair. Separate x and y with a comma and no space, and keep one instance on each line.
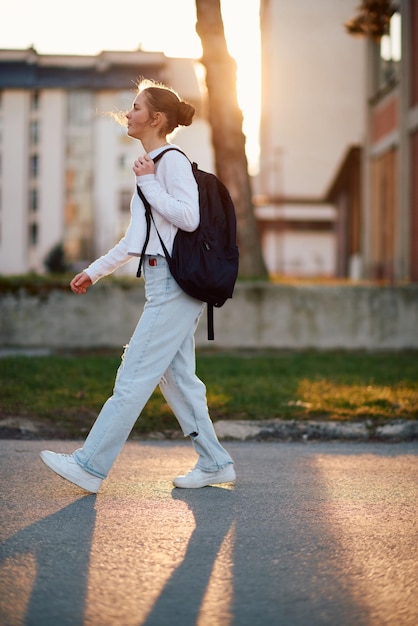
(292,430)
(244,430)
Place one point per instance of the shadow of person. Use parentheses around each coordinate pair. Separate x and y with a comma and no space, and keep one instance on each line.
(60,545)
(213,511)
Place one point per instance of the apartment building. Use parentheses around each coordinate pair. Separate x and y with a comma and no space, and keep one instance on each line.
(65,164)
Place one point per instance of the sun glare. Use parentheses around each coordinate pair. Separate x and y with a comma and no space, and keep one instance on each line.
(243,45)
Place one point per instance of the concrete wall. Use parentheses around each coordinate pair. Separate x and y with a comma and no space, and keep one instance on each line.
(259,316)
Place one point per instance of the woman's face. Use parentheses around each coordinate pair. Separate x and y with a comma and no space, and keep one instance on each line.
(139,118)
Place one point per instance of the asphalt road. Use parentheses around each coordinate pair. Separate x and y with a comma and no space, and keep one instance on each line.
(311,534)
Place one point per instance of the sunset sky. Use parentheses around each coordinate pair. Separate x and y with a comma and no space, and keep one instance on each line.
(90,26)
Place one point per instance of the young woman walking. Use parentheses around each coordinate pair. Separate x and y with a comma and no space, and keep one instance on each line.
(161,350)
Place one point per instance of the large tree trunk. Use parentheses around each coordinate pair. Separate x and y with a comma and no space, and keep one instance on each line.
(225,118)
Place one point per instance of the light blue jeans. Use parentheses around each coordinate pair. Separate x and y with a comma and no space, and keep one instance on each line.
(161,351)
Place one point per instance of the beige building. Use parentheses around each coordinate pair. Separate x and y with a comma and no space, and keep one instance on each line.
(65,164)
(313,94)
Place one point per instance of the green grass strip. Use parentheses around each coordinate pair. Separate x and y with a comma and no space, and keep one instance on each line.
(66,392)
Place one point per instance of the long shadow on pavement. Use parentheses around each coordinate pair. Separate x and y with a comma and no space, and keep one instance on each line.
(181,599)
(285,565)
(60,545)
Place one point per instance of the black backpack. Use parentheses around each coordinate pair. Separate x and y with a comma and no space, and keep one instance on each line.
(204,262)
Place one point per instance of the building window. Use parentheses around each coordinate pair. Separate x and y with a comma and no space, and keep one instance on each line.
(80,108)
(34,132)
(125,201)
(33,234)
(388,53)
(390,44)
(33,200)
(34,166)
(34,101)
(123,162)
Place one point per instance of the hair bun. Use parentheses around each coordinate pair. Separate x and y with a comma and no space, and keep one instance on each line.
(185,112)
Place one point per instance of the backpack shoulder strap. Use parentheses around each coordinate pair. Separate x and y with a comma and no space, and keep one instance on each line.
(158,157)
(148,216)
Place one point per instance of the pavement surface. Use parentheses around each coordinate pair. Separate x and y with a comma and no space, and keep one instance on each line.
(311,534)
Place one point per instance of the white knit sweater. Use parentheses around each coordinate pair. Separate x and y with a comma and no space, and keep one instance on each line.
(173,195)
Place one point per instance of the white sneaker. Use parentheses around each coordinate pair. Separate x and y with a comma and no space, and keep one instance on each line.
(66,466)
(197,478)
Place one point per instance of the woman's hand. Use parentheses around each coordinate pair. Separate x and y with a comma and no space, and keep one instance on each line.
(143,165)
(81,283)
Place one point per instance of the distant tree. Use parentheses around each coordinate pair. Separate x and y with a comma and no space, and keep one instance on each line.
(372,19)
(225,118)
(55,261)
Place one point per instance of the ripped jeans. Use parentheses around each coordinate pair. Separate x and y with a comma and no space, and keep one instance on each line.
(161,351)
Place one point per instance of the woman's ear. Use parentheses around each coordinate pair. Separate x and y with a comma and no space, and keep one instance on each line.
(158,118)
